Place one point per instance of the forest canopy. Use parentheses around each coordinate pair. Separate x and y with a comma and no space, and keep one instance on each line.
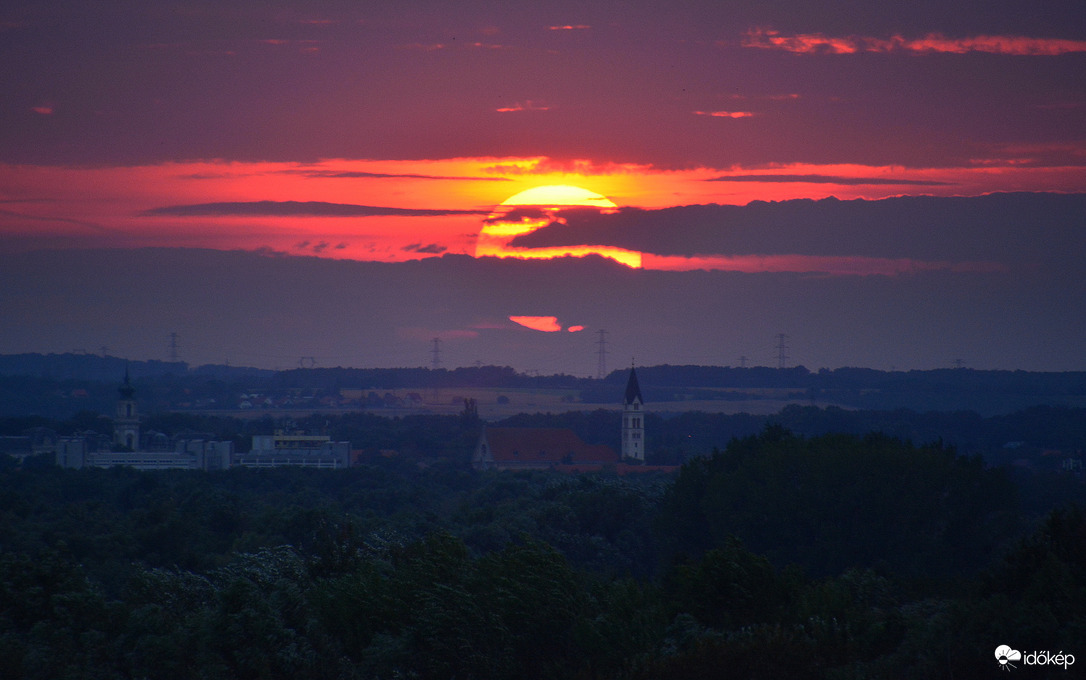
(779,555)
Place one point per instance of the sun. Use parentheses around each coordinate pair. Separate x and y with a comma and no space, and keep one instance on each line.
(540,207)
(559,195)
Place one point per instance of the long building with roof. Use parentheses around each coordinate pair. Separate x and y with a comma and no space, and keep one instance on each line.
(536,448)
(539,448)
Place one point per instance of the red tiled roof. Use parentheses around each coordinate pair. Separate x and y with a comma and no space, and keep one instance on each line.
(542,446)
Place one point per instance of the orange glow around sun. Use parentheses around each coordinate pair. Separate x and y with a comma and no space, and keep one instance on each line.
(539,207)
(427,208)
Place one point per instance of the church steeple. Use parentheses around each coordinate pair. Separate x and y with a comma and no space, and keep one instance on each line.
(126,425)
(633,420)
(126,388)
(633,390)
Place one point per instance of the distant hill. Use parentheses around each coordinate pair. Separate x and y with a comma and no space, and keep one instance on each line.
(58,385)
(83,366)
(956,389)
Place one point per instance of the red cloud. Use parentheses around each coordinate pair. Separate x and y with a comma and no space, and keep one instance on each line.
(725,114)
(998,44)
(818,43)
(526,106)
(547,324)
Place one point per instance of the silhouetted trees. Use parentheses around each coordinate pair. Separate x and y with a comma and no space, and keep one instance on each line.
(837,501)
(780,555)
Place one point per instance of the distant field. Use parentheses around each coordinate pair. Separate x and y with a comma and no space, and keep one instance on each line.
(497,403)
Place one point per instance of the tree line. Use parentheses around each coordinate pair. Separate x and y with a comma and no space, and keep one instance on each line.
(778,555)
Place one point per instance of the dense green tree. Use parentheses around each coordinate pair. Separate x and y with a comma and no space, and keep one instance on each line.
(730,587)
(831,502)
(1034,598)
(397,569)
(54,622)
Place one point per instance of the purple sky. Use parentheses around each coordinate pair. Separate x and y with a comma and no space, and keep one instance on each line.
(383,134)
(923,83)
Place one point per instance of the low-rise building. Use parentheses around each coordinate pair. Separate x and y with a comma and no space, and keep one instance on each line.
(293,448)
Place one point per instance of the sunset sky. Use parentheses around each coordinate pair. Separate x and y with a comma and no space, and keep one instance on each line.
(392,131)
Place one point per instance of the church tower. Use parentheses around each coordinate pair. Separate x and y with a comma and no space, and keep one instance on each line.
(126,425)
(633,420)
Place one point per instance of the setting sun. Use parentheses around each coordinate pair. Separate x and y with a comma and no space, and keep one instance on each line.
(554,195)
(540,207)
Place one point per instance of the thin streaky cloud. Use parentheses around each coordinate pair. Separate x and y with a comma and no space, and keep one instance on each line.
(357,174)
(215,175)
(574,166)
(725,114)
(767,97)
(998,44)
(526,106)
(298,209)
(431,47)
(829,179)
(317,248)
(429,249)
(818,43)
(62,220)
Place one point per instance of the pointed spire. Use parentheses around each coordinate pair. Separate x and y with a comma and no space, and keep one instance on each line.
(126,388)
(633,390)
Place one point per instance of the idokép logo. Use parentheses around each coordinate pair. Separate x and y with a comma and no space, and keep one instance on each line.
(1006,656)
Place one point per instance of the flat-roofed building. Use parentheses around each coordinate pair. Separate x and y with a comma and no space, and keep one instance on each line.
(292,448)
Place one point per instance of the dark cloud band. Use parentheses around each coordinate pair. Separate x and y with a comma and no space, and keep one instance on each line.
(829,179)
(297,209)
(357,174)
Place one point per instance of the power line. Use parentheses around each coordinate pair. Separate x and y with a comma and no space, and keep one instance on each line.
(435,362)
(782,351)
(174,348)
(601,363)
